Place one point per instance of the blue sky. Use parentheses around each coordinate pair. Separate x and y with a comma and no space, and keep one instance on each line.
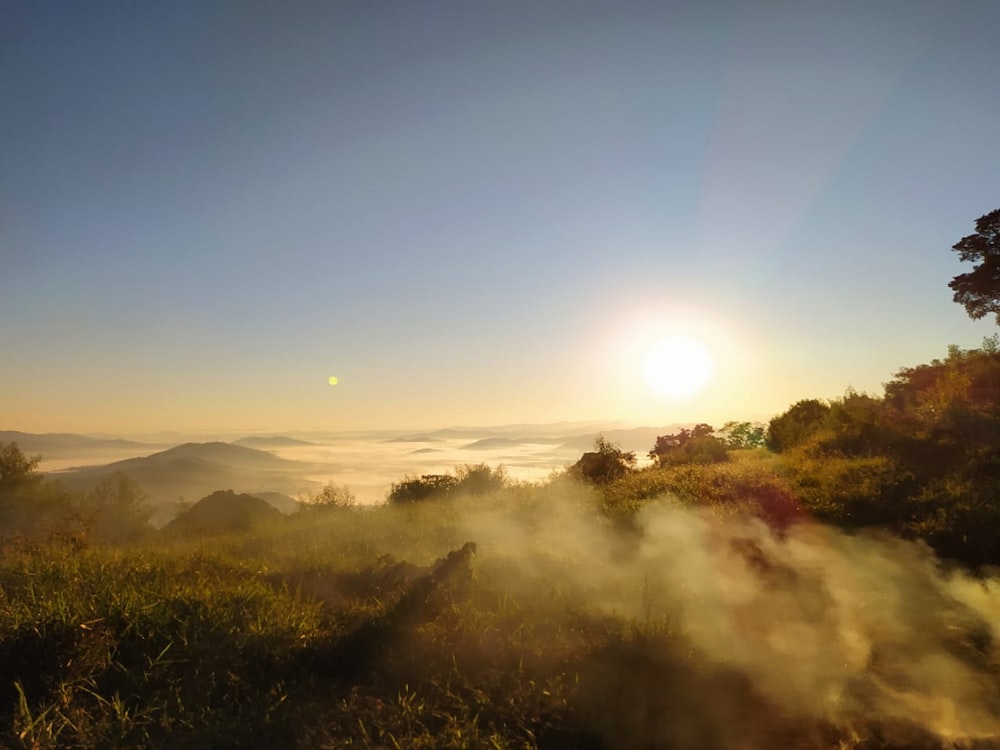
(479,213)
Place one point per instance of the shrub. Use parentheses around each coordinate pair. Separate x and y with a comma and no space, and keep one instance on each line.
(697,445)
(413,489)
(480,479)
(606,463)
(789,429)
(332,497)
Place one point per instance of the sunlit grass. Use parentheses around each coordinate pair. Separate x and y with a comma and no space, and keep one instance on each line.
(574,626)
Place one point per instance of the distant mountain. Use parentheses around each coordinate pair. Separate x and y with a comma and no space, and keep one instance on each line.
(274,441)
(221,512)
(413,439)
(51,443)
(197,469)
(492,442)
(227,454)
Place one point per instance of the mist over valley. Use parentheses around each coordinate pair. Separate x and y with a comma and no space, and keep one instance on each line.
(295,468)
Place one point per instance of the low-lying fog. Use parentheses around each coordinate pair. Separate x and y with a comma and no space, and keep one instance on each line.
(367,463)
(369,467)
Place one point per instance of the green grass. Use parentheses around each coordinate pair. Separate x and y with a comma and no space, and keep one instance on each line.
(309,634)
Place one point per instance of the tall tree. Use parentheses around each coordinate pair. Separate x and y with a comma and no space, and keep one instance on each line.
(979,290)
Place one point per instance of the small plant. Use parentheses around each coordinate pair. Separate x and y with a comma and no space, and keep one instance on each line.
(332,497)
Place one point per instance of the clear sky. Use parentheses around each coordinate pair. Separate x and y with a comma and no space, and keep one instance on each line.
(479,212)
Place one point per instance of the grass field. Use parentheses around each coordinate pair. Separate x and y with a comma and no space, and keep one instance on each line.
(691,626)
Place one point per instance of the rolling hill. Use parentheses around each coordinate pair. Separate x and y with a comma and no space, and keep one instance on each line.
(194,470)
(223,511)
(53,444)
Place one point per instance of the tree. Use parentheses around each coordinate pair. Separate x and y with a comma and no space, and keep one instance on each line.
(697,445)
(979,290)
(29,504)
(416,489)
(333,496)
(606,463)
(118,508)
(480,479)
(16,469)
(744,435)
(802,419)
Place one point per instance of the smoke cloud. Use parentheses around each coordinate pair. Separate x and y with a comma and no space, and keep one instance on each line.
(867,635)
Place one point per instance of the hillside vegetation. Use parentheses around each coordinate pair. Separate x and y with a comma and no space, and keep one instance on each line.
(732,594)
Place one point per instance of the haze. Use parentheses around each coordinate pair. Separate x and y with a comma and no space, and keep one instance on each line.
(478,213)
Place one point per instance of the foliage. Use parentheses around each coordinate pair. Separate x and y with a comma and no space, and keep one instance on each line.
(744,435)
(752,482)
(30,506)
(921,460)
(698,445)
(979,289)
(468,479)
(606,463)
(801,420)
(116,510)
(16,469)
(413,489)
(480,479)
(332,497)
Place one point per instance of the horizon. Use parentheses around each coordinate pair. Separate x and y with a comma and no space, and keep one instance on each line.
(365,463)
(221,434)
(345,217)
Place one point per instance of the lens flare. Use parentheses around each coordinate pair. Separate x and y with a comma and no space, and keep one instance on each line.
(333,380)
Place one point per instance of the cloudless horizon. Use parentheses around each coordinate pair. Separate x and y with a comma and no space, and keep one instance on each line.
(479,214)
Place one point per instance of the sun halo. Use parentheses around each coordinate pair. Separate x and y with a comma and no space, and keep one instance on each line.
(677,367)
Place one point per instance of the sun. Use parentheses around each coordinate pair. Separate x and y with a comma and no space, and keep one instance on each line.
(677,367)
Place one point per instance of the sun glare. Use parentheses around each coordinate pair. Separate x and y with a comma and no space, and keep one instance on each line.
(677,367)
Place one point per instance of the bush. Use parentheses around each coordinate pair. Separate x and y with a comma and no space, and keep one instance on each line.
(30,506)
(332,497)
(697,445)
(480,479)
(606,463)
(413,489)
(116,510)
(803,419)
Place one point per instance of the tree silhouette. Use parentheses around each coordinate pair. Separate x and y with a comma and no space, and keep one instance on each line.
(801,420)
(606,463)
(16,469)
(697,445)
(979,290)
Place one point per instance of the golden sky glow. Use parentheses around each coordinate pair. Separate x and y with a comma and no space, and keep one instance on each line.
(480,217)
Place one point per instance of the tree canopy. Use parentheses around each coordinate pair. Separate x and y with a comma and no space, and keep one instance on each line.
(606,463)
(698,445)
(979,289)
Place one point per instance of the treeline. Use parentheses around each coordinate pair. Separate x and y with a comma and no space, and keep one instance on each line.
(34,507)
(922,460)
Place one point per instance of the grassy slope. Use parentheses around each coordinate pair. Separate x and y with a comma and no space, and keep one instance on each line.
(292,637)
